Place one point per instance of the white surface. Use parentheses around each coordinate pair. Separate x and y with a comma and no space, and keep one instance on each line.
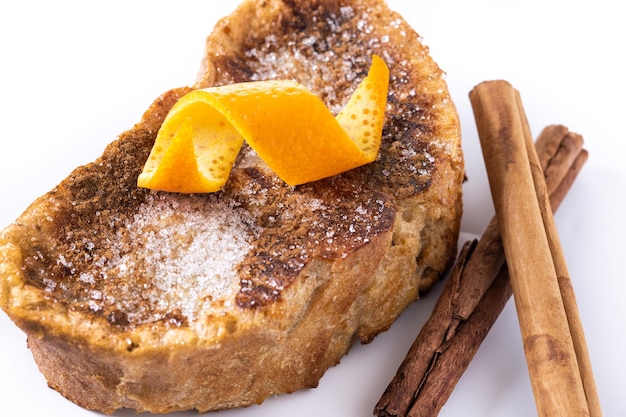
(76,74)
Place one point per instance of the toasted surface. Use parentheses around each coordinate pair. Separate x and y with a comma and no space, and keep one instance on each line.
(167,302)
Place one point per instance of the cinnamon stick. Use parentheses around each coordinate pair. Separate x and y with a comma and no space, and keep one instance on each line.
(472,298)
(456,355)
(550,354)
(564,282)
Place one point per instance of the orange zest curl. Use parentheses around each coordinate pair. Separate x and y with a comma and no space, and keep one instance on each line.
(289,127)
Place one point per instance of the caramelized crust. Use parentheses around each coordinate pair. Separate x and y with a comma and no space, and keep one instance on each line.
(261,283)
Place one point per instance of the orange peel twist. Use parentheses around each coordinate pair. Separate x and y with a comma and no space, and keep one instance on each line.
(289,128)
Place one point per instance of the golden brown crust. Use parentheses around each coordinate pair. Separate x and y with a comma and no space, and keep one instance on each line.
(81,271)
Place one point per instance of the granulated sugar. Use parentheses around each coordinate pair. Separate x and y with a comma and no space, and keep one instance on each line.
(176,256)
(331,57)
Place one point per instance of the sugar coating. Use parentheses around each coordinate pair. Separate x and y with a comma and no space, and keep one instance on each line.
(175,257)
(316,55)
(170,260)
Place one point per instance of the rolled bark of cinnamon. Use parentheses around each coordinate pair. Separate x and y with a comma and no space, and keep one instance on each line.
(560,265)
(552,364)
(472,298)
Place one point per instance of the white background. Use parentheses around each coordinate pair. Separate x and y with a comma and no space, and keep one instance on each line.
(73,75)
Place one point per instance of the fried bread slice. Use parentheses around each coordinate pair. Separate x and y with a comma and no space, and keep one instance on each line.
(162,302)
